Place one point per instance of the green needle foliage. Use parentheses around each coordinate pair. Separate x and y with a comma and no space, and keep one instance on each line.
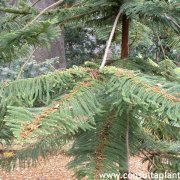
(111,114)
(40,33)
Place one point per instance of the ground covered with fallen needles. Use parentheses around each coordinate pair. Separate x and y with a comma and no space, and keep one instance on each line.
(53,169)
(56,169)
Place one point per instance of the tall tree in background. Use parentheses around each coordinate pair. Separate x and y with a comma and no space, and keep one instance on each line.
(57,46)
(125,37)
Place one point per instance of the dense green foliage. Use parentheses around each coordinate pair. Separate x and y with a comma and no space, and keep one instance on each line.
(129,107)
(99,106)
(81,45)
(26,68)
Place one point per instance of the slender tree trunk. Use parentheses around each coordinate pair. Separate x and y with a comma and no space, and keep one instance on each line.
(12,2)
(125,38)
(57,46)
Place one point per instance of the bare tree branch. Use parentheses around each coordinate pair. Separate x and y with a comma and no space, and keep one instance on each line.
(110,40)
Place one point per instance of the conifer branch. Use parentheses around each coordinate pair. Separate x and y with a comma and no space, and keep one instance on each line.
(14,11)
(103,137)
(171,19)
(127,140)
(28,129)
(146,86)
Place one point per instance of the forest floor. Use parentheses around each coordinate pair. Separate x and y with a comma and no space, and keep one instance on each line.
(53,169)
(56,169)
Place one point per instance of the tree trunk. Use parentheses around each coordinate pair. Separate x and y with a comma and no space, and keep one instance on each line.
(57,47)
(125,38)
